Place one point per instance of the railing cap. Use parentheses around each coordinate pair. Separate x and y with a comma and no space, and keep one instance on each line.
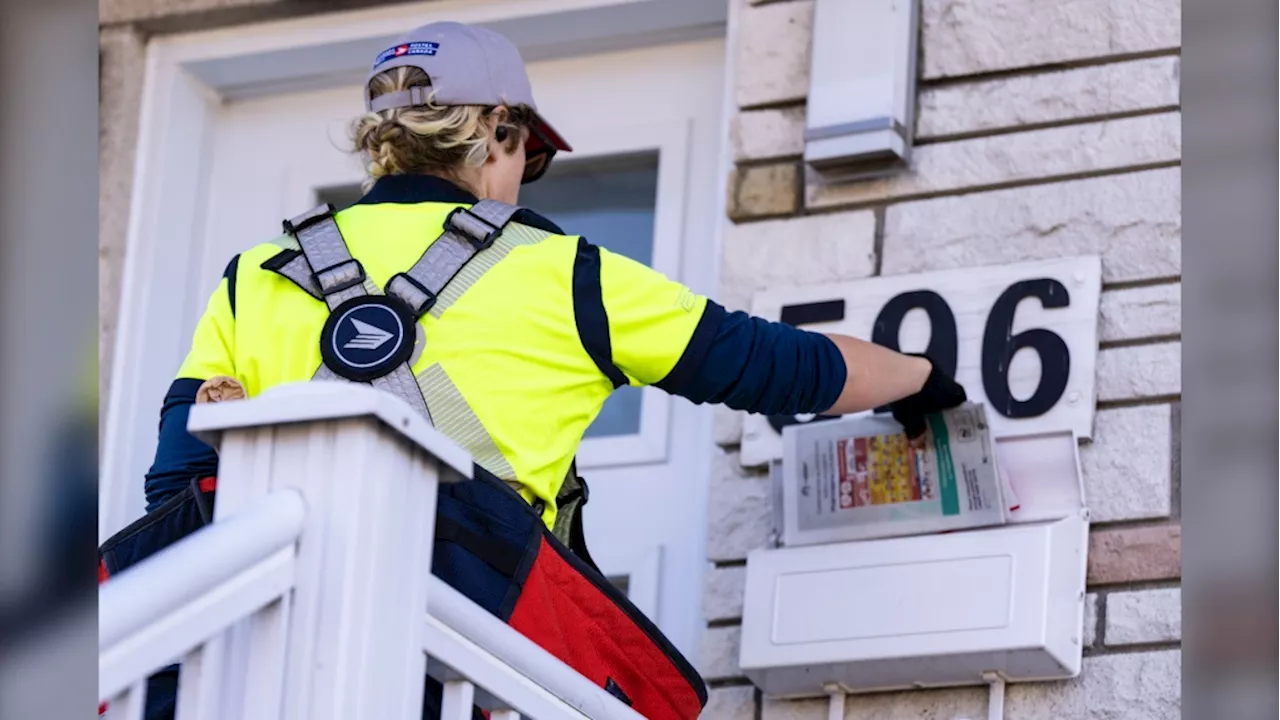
(320,401)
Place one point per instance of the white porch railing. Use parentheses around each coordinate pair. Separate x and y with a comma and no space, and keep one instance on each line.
(310,596)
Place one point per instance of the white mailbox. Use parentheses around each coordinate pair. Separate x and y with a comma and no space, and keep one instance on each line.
(962,608)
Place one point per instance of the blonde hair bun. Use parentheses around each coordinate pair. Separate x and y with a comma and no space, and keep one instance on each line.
(429,139)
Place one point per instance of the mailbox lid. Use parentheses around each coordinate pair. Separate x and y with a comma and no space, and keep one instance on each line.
(923,610)
(1043,472)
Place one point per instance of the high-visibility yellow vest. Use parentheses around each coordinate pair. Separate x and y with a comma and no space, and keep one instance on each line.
(514,367)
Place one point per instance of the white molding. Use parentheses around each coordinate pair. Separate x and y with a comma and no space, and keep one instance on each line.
(306,402)
(335,48)
(643,571)
(168,181)
(190,76)
(155,640)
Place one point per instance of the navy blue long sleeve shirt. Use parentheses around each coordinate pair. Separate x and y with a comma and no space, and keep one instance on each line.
(744,362)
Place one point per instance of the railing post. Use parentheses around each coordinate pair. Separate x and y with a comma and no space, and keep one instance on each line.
(367,466)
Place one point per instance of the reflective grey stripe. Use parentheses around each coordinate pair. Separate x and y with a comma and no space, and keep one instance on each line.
(299,271)
(324,373)
(450,266)
(315,212)
(401,383)
(497,214)
(472,225)
(455,418)
(448,254)
(337,273)
(512,237)
(287,242)
(465,231)
(337,280)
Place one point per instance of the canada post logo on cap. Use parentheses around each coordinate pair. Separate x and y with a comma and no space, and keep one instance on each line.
(417,48)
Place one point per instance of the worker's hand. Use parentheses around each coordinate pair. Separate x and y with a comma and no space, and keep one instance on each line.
(939,393)
(220,388)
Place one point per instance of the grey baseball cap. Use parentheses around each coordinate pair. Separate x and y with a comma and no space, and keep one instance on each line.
(468,66)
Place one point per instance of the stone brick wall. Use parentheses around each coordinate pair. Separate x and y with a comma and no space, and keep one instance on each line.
(1043,130)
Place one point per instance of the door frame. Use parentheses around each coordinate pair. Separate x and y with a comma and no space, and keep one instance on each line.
(188,79)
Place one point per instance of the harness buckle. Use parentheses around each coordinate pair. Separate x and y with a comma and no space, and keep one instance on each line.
(479,231)
(339,277)
(417,296)
(296,225)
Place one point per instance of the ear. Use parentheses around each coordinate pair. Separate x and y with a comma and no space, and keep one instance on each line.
(499,116)
(491,122)
(500,131)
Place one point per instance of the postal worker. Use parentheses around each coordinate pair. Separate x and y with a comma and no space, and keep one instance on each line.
(506,331)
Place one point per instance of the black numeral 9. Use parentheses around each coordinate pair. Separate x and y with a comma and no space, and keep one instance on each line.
(942,347)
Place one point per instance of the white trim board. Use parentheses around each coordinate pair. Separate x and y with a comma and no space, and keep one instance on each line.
(188,79)
(335,49)
(643,571)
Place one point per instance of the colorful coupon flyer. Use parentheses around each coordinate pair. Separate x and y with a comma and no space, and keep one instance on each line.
(861,477)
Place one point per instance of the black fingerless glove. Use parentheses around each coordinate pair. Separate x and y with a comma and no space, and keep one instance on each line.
(939,393)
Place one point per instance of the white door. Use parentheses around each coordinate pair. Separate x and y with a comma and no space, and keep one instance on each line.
(642,181)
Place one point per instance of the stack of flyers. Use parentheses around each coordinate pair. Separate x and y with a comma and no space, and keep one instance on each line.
(860,478)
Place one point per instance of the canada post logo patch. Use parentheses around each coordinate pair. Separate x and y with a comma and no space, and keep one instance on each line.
(367,337)
(417,48)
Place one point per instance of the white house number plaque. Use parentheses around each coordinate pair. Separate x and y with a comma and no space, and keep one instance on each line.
(1022,338)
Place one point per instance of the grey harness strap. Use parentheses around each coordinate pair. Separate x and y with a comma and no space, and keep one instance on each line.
(339,279)
(326,270)
(339,276)
(467,233)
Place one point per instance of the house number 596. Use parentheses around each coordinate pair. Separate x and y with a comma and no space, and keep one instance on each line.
(999,343)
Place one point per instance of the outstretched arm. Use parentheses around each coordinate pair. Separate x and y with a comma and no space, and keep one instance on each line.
(664,335)
(875,375)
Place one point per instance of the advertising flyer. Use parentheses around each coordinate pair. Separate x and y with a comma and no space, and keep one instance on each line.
(860,478)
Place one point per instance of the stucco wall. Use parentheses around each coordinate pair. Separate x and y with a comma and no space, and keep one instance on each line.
(1043,130)
(120,91)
